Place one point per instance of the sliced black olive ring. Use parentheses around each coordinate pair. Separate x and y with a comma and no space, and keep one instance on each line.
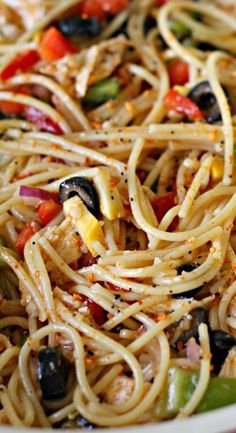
(84,189)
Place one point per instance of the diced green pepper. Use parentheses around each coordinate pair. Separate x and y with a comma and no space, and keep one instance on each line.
(179,29)
(102,91)
(180,387)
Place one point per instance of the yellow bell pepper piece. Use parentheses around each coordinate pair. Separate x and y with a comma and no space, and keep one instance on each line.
(84,222)
(109,197)
(217,169)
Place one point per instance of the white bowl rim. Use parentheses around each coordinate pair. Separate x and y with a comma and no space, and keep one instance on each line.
(217,421)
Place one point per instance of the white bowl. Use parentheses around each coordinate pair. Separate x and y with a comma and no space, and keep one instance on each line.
(217,421)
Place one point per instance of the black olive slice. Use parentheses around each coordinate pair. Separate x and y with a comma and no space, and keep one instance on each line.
(84,189)
(205,99)
(78,26)
(51,374)
(221,342)
(78,422)
(199,315)
(188,267)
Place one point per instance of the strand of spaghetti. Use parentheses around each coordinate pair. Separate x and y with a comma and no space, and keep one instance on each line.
(154,173)
(212,61)
(9,409)
(78,323)
(199,29)
(68,145)
(42,277)
(4,207)
(13,392)
(61,413)
(131,310)
(29,412)
(39,178)
(195,186)
(16,123)
(61,264)
(145,403)
(25,281)
(39,105)
(8,355)
(78,355)
(156,329)
(57,90)
(228,295)
(142,222)
(147,76)
(29,147)
(170,39)
(197,132)
(158,111)
(14,321)
(179,284)
(204,374)
(172,42)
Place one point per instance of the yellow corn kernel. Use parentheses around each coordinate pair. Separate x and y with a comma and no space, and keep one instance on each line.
(217,170)
(182,90)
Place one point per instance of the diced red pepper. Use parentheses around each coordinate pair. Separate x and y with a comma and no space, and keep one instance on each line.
(25,234)
(92,8)
(182,105)
(178,73)
(161,205)
(10,108)
(41,120)
(98,313)
(23,63)
(101,8)
(113,7)
(47,211)
(54,45)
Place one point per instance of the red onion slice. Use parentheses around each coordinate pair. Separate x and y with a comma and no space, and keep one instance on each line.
(38,193)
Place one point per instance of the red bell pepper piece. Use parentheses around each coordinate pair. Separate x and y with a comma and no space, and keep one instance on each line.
(182,105)
(54,45)
(25,234)
(98,313)
(22,63)
(92,8)
(41,120)
(161,205)
(113,7)
(10,108)
(101,8)
(47,211)
(178,73)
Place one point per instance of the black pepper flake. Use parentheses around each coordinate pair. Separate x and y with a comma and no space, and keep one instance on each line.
(131,199)
(126,180)
(112,197)
(90,353)
(117,296)
(172,132)
(33,243)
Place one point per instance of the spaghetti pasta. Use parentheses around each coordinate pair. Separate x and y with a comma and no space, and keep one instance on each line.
(117,210)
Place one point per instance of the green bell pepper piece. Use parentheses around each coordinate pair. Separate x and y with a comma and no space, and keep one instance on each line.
(180,387)
(102,91)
